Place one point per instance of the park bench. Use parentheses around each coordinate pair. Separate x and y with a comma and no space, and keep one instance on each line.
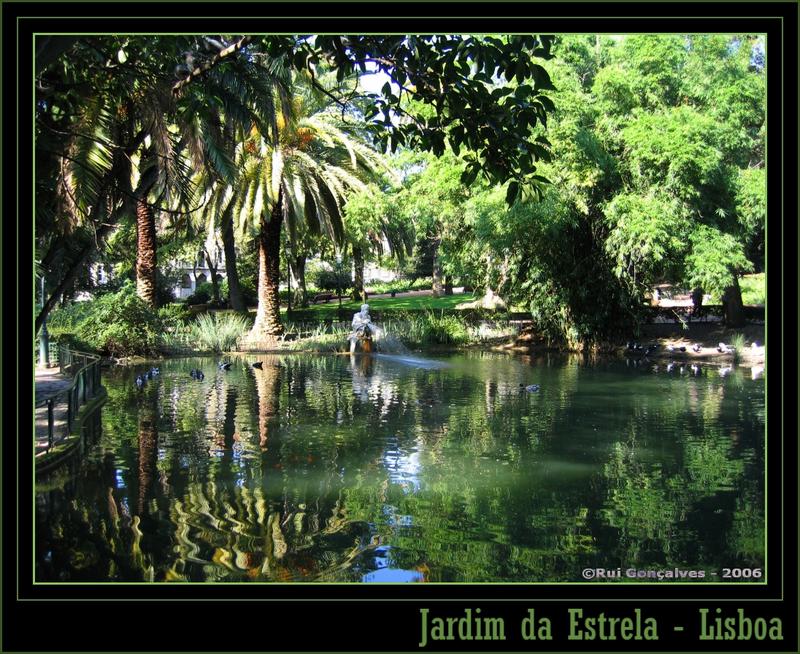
(323,297)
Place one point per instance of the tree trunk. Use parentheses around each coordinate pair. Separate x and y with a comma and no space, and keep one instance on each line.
(734,307)
(214,283)
(448,285)
(268,387)
(145,252)
(268,317)
(235,299)
(297,265)
(358,274)
(438,289)
(148,456)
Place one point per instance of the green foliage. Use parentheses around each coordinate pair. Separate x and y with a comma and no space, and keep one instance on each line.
(753,288)
(202,294)
(645,238)
(399,285)
(739,344)
(63,323)
(218,331)
(120,324)
(428,328)
(484,94)
(715,260)
(174,316)
(246,285)
(332,280)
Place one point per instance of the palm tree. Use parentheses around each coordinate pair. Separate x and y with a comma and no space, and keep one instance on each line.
(304,177)
(231,105)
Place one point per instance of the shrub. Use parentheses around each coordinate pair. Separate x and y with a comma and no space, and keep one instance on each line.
(331,280)
(202,294)
(63,322)
(249,291)
(120,324)
(174,316)
(218,331)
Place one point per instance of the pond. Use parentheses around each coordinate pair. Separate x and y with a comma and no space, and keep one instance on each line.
(382,468)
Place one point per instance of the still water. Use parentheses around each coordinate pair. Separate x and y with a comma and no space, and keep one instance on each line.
(396,469)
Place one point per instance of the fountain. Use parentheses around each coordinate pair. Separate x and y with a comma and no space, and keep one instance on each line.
(367,337)
(361,336)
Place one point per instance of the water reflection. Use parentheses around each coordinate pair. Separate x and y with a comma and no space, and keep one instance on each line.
(367,469)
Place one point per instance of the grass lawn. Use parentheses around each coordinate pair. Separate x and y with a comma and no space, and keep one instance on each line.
(753,288)
(328,311)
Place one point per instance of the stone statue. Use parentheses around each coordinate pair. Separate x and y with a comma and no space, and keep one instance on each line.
(362,330)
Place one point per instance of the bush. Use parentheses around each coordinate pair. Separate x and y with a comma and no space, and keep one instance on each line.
(202,294)
(219,331)
(399,285)
(62,324)
(249,291)
(174,316)
(331,280)
(120,324)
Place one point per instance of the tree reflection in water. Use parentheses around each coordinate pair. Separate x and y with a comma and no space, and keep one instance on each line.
(347,469)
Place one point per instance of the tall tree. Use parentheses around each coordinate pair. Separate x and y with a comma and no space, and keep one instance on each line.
(303,178)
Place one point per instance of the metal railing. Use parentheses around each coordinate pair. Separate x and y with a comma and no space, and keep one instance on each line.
(86,383)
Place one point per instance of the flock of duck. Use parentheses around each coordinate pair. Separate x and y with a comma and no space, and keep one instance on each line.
(722,348)
(194,373)
(683,368)
(632,347)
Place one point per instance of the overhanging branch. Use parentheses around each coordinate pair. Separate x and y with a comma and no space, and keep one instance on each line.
(176,89)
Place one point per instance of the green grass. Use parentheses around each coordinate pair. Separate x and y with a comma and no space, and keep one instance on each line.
(328,311)
(753,288)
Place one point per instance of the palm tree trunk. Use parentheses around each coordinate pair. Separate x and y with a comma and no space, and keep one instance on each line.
(235,299)
(268,317)
(358,274)
(145,252)
(268,387)
(148,456)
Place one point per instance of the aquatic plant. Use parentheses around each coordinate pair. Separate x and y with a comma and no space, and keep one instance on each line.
(218,332)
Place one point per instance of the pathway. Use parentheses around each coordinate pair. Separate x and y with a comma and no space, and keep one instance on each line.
(50,381)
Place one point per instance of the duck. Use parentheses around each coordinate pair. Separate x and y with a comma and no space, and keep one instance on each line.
(533,388)
(225,365)
(258,364)
(651,348)
(672,348)
(696,370)
(670,366)
(139,382)
(755,345)
(696,347)
(724,372)
(154,371)
(726,349)
(200,375)
(756,372)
